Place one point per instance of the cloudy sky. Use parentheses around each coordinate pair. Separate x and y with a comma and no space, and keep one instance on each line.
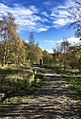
(49,19)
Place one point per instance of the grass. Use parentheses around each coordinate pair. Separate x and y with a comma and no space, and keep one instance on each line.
(74,80)
(18,81)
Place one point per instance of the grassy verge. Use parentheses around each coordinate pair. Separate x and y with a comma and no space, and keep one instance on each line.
(74,80)
(17,82)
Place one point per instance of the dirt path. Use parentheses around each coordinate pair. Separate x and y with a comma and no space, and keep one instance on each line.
(54,100)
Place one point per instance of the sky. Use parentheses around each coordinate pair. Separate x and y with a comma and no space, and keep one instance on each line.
(48,19)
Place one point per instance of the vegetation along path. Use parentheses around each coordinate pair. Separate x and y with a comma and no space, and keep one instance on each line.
(54,100)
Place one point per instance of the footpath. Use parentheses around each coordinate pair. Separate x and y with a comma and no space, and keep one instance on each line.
(54,100)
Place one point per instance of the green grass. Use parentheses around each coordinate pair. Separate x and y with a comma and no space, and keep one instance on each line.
(18,81)
(74,80)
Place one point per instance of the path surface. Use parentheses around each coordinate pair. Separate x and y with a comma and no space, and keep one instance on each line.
(54,100)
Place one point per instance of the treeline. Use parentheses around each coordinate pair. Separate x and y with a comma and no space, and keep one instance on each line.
(64,56)
(13,50)
(68,55)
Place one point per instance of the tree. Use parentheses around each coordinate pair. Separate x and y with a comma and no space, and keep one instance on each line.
(72,57)
(33,47)
(45,57)
(11,45)
(4,39)
(64,47)
(56,54)
(38,55)
(51,59)
(26,48)
(75,12)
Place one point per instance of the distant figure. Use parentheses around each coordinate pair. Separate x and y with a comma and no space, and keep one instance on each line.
(41,62)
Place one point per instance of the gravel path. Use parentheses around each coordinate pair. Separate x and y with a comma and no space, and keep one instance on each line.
(54,100)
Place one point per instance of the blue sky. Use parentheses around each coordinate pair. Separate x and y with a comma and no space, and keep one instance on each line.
(48,19)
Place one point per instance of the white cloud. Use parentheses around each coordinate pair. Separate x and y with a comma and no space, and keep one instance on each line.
(50,42)
(19,12)
(60,22)
(43,29)
(50,51)
(61,16)
(71,40)
(31,18)
(33,8)
(45,14)
(47,3)
(26,18)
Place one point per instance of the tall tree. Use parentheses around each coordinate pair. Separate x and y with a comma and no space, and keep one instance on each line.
(64,47)
(10,41)
(46,57)
(75,12)
(32,48)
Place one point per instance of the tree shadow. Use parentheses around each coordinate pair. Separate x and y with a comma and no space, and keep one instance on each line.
(56,86)
(45,103)
(39,111)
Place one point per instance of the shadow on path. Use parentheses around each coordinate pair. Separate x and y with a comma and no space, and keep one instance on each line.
(54,100)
